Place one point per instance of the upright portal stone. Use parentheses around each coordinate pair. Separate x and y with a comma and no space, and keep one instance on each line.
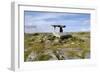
(60,27)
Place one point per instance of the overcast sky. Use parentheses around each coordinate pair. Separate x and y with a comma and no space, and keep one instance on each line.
(36,21)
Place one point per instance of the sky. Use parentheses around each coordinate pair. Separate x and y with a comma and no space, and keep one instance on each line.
(38,21)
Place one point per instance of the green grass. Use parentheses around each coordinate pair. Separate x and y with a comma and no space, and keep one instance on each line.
(43,57)
(40,42)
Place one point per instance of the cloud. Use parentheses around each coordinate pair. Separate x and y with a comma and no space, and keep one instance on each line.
(44,20)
